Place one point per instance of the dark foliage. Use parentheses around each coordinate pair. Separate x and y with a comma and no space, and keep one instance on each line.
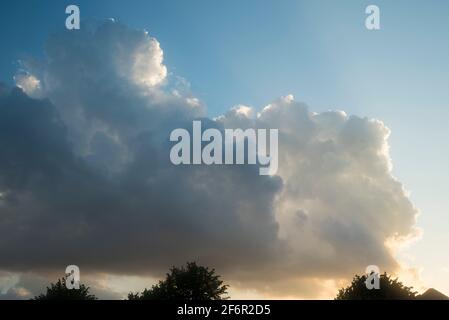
(191,282)
(390,289)
(59,291)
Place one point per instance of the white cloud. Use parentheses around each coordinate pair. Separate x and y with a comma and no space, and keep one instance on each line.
(148,68)
(29,84)
(339,206)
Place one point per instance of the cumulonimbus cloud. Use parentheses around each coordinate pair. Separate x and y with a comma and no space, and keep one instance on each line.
(85,176)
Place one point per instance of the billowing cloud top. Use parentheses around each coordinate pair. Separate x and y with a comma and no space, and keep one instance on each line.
(85,177)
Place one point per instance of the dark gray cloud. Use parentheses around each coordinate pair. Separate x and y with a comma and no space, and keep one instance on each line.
(57,208)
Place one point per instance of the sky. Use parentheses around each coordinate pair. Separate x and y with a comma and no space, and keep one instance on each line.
(251,53)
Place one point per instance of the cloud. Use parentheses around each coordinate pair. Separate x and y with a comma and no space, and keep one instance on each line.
(85,178)
(29,84)
(340,206)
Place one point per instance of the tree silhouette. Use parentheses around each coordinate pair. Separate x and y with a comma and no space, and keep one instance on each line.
(59,291)
(191,282)
(390,289)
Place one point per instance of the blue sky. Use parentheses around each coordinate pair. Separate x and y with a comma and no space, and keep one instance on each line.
(251,52)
